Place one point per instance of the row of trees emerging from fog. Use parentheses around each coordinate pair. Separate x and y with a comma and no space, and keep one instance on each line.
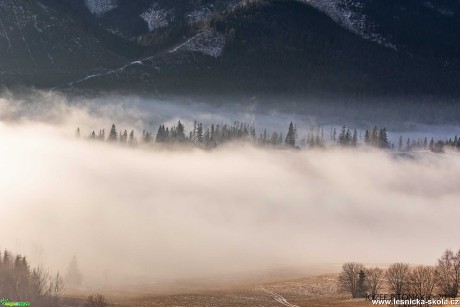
(199,136)
(402,279)
(217,134)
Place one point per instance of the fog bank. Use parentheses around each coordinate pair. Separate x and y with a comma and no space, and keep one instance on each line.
(153,213)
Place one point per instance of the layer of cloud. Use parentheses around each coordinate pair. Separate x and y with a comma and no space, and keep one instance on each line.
(149,213)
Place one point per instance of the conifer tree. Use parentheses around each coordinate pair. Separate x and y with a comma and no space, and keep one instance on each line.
(374,138)
(199,133)
(124,136)
(180,132)
(160,137)
(265,137)
(113,134)
(366,137)
(291,136)
(101,135)
(347,137)
(343,136)
(73,277)
(355,138)
(132,139)
(383,139)
(193,133)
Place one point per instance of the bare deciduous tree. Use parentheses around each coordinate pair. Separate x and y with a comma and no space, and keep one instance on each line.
(423,280)
(96,301)
(398,277)
(448,273)
(19,282)
(56,289)
(40,288)
(349,278)
(374,280)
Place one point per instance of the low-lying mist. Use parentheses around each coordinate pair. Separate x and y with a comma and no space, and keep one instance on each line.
(152,213)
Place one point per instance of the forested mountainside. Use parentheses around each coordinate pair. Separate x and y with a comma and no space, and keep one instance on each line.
(342,47)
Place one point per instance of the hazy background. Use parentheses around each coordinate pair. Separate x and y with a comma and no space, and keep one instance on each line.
(150,213)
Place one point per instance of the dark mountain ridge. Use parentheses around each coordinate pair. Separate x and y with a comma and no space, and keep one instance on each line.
(350,48)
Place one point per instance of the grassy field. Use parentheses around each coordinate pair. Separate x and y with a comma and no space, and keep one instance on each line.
(310,291)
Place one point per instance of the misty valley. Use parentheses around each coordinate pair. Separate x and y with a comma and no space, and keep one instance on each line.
(257,153)
(186,210)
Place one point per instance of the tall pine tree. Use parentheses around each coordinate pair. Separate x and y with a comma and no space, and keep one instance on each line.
(291,136)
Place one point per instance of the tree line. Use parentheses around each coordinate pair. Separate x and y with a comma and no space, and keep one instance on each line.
(20,282)
(218,134)
(200,136)
(402,279)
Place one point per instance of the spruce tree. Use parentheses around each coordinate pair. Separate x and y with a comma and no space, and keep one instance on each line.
(374,138)
(193,133)
(383,139)
(131,137)
(101,135)
(355,138)
(113,134)
(124,136)
(366,137)
(291,136)
(73,277)
(180,132)
(347,137)
(199,133)
(343,136)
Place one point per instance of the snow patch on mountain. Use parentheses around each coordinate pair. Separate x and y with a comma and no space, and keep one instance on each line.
(440,10)
(233,4)
(348,14)
(158,18)
(200,14)
(100,7)
(207,42)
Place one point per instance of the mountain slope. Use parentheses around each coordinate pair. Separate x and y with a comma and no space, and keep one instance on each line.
(283,47)
(428,27)
(42,46)
(131,19)
(309,47)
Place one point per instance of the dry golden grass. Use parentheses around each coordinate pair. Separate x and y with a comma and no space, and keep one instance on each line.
(311,291)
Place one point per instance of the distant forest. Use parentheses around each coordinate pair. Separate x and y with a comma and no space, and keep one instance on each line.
(218,134)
